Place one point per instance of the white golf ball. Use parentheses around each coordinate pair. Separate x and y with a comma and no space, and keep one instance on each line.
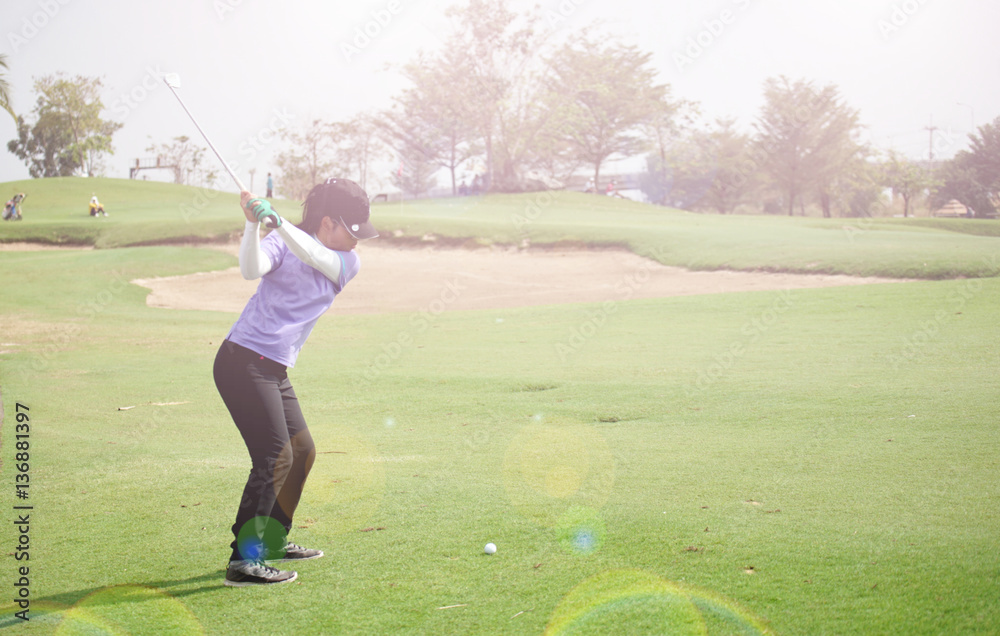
(490,548)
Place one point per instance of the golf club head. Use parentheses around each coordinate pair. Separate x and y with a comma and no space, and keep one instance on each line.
(173,80)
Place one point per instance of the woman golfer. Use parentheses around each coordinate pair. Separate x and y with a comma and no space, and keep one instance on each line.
(302,269)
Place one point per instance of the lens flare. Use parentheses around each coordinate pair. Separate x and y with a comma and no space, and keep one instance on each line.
(581,531)
(549,469)
(634,601)
(346,484)
(261,537)
(128,609)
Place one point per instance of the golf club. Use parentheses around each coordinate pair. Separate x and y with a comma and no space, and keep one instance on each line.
(173,81)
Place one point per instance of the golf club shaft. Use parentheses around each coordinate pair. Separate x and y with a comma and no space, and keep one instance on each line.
(239,184)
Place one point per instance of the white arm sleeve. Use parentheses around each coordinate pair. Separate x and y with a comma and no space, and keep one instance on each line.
(254,263)
(311,252)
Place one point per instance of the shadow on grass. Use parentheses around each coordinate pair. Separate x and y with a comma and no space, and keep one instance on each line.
(82,606)
(216,578)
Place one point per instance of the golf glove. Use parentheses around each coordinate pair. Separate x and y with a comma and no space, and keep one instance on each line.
(262,210)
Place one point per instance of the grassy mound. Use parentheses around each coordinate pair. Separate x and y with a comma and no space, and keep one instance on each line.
(56,212)
(150,212)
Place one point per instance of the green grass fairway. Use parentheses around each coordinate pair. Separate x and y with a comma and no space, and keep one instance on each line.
(149,212)
(806,462)
(793,462)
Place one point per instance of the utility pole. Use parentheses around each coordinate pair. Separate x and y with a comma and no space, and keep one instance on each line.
(931,128)
(252,171)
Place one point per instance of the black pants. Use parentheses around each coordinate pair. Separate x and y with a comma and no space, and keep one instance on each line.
(263,405)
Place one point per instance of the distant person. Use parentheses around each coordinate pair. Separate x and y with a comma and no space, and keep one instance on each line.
(96,209)
(12,209)
(612,190)
(463,189)
(476,185)
(270,186)
(591,187)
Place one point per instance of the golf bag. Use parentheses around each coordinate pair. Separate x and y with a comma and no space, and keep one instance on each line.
(12,209)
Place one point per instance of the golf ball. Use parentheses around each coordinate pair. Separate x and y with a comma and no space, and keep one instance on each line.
(490,548)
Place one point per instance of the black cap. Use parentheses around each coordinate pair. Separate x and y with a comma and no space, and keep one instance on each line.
(345,201)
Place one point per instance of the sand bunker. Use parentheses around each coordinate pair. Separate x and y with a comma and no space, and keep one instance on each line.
(394,279)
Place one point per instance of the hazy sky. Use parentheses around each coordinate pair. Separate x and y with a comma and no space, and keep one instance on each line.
(251,66)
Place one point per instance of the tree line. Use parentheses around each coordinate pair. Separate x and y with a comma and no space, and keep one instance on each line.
(510,99)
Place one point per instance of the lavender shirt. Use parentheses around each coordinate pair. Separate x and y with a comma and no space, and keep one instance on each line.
(289,300)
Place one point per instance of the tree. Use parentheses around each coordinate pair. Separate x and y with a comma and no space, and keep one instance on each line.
(43,149)
(185,160)
(309,158)
(705,169)
(68,134)
(655,182)
(858,188)
(681,179)
(430,118)
(973,175)
(415,175)
(836,156)
(728,152)
(497,86)
(602,92)
(329,149)
(356,145)
(905,178)
(806,139)
(665,127)
(5,88)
